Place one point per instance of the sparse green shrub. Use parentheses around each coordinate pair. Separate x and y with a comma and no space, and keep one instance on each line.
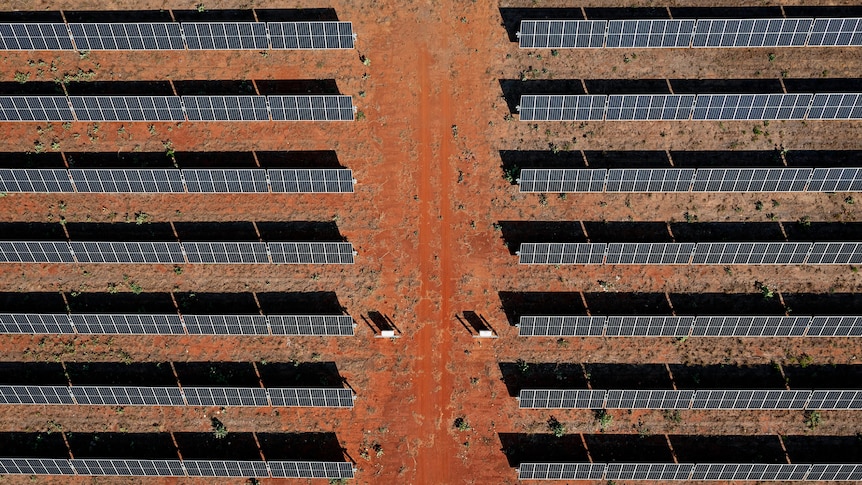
(556,427)
(219,429)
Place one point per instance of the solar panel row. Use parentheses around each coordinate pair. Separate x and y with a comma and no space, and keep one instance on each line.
(719,107)
(690,180)
(744,253)
(176,396)
(177,181)
(174,252)
(177,108)
(177,36)
(690,326)
(690,471)
(176,468)
(764,32)
(689,399)
(169,324)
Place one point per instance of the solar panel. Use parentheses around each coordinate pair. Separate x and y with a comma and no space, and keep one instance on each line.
(127,36)
(35,395)
(652,253)
(562,253)
(310,469)
(835,180)
(750,326)
(751,106)
(752,32)
(750,253)
(35,252)
(647,471)
(302,325)
(226,252)
(836,472)
(751,179)
(562,180)
(648,326)
(311,35)
(311,108)
(561,399)
(835,253)
(35,323)
(650,33)
(649,107)
(835,326)
(846,399)
(307,397)
(225,396)
(561,108)
(35,36)
(35,466)
(127,396)
(561,326)
(226,108)
(650,180)
(836,106)
(750,399)
(127,108)
(127,324)
(311,252)
(295,180)
(126,180)
(35,108)
(127,252)
(836,32)
(561,34)
(34,180)
(227,35)
(226,324)
(225,180)
(561,471)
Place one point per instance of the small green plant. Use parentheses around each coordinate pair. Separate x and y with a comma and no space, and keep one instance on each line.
(805,221)
(136,288)
(689,217)
(219,429)
(378,450)
(758,205)
(454,131)
(461,424)
(201,8)
(361,94)
(112,288)
(522,365)
(364,60)
(556,427)
(757,131)
(360,115)
(178,270)
(562,343)
(603,419)
(673,416)
(169,149)
(804,360)
(764,290)
(771,57)
(22,77)
(511,173)
(849,200)
(141,217)
(812,419)
(554,52)
(152,129)
(543,199)
(38,147)
(55,145)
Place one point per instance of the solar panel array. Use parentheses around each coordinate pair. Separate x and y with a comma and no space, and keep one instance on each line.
(765,32)
(174,252)
(690,180)
(689,399)
(176,468)
(177,396)
(177,36)
(719,107)
(725,253)
(690,471)
(176,108)
(170,324)
(177,181)
(690,326)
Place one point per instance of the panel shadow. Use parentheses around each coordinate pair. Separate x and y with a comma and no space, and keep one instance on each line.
(513,89)
(529,375)
(300,374)
(519,303)
(514,233)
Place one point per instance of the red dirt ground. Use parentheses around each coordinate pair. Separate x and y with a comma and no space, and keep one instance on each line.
(422,220)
